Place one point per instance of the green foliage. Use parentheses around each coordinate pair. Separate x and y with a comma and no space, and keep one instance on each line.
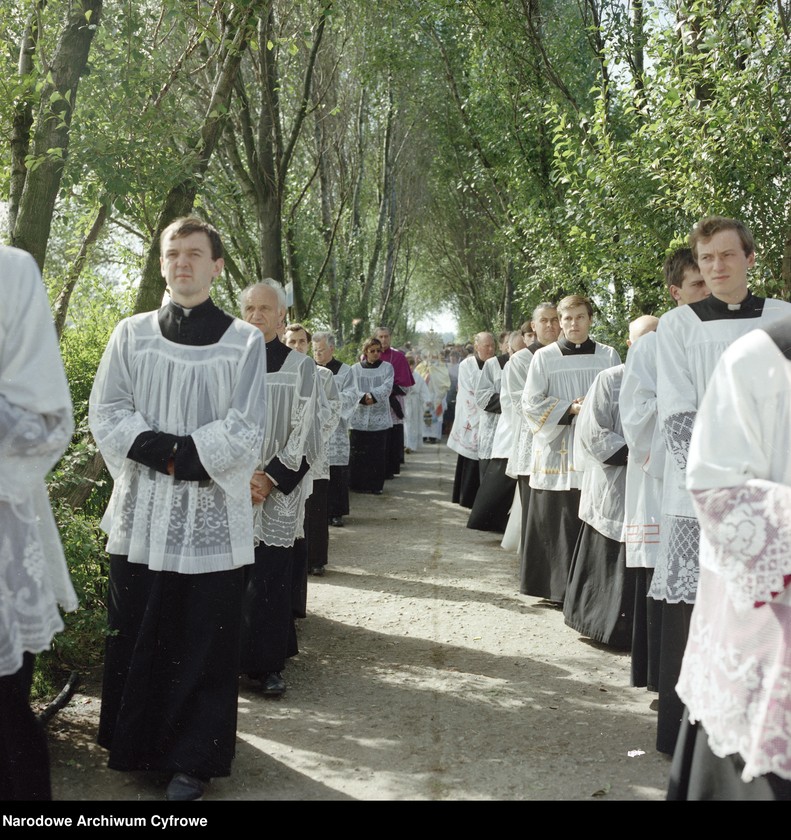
(534,150)
(80,646)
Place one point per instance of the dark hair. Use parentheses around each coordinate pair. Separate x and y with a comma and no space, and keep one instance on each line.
(676,264)
(709,225)
(370,343)
(297,326)
(192,224)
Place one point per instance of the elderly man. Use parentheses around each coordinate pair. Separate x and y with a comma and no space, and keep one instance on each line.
(338,487)
(690,341)
(558,380)
(463,437)
(402,381)
(279,491)
(35,428)
(178,409)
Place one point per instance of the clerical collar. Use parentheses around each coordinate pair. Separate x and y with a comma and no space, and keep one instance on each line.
(536,345)
(202,310)
(569,348)
(203,324)
(714,309)
(276,353)
(367,364)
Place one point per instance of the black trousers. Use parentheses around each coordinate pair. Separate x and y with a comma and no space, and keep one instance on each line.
(267,615)
(24,755)
(338,491)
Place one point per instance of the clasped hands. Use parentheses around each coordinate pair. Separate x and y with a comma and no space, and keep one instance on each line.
(260,487)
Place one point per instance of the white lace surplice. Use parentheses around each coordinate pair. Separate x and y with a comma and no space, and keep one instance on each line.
(377,381)
(435,373)
(599,436)
(512,388)
(488,386)
(328,418)
(291,434)
(736,673)
(463,437)
(215,393)
(417,402)
(554,381)
(643,503)
(688,350)
(503,442)
(35,428)
(349,395)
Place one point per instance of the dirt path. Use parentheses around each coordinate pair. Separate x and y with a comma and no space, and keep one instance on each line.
(423,674)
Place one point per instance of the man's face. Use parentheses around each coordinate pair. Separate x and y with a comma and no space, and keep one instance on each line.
(322,352)
(575,323)
(724,266)
(297,340)
(693,288)
(384,337)
(188,268)
(262,311)
(546,326)
(484,347)
(372,354)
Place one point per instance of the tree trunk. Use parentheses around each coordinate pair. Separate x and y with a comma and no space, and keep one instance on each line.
(327,225)
(181,197)
(51,135)
(376,250)
(62,303)
(22,120)
(785,267)
(274,153)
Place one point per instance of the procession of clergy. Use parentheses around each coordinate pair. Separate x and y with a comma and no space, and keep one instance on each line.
(597,473)
(631,492)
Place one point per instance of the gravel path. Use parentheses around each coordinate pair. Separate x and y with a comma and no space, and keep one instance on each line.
(423,675)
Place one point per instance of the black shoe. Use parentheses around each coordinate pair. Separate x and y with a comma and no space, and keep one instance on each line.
(336,521)
(377,492)
(184,788)
(272,685)
(316,571)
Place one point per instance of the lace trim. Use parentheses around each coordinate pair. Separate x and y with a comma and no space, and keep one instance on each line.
(734,680)
(749,534)
(678,434)
(29,616)
(676,574)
